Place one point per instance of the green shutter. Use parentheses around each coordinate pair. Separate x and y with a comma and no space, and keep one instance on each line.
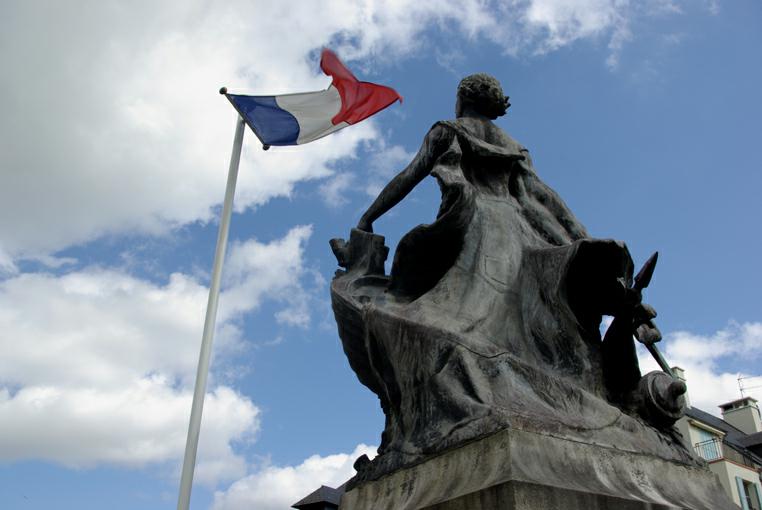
(741,493)
(759,494)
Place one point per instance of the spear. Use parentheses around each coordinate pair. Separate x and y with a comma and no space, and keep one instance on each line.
(647,333)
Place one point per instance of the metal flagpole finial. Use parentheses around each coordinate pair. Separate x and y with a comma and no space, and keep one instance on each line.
(224,92)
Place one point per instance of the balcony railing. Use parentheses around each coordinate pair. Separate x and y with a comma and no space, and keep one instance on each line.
(716,449)
(710,449)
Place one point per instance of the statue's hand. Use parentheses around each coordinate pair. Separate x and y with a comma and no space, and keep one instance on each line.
(645,330)
(647,333)
(619,299)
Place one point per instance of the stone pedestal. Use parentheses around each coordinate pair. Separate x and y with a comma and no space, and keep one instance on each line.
(520,470)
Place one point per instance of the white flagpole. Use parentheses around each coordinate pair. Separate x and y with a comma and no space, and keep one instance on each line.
(191,445)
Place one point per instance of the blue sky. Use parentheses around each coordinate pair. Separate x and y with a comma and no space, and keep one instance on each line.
(644,116)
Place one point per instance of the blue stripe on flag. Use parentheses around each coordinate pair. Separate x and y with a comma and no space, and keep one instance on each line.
(272,124)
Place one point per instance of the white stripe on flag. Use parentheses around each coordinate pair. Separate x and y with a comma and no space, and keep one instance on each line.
(313,111)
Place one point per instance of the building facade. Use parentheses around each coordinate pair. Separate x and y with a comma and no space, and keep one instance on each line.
(731,446)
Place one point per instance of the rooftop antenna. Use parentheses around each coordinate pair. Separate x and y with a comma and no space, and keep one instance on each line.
(744,386)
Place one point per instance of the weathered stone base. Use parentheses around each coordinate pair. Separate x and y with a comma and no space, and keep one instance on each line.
(520,470)
(527,496)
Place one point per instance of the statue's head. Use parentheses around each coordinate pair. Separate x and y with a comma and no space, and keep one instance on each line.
(482,94)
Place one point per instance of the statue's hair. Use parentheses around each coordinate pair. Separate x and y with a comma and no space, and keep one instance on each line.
(483,93)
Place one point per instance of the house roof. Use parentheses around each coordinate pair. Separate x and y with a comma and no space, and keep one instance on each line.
(715,422)
(735,437)
(751,440)
(324,494)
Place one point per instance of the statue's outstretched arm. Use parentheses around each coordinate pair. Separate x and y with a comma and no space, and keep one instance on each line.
(552,201)
(436,141)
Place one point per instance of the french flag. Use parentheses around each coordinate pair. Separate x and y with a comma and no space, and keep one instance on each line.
(295,119)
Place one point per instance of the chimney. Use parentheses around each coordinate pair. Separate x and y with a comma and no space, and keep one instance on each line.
(680,374)
(743,414)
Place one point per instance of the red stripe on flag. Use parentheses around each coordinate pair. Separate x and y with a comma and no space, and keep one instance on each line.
(359,99)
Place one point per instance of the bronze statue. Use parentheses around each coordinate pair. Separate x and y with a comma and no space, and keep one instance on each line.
(490,316)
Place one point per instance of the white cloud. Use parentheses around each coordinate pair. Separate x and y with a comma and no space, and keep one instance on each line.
(563,22)
(275,269)
(7,266)
(384,163)
(333,192)
(98,365)
(109,327)
(713,6)
(144,421)
(111,122)
(126,131)
(55,262)
(712,363)
(278,487)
